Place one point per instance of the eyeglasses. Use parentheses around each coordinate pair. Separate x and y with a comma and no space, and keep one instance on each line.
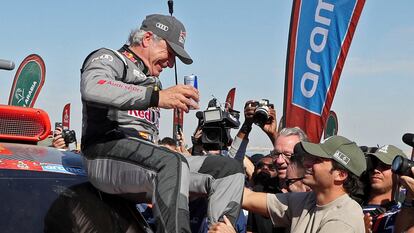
(269,166)
(293,180)
(285,155)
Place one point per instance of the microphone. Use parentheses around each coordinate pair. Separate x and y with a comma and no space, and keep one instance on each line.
(6,65)
(171,7)
(212,103)
(408,139)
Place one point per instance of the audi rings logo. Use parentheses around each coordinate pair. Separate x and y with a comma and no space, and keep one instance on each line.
(162,26)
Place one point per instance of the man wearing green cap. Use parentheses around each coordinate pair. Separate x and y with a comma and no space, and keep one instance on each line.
(380,209)
(122,97)
(332,169)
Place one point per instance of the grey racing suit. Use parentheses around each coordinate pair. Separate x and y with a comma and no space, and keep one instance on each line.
(120,125)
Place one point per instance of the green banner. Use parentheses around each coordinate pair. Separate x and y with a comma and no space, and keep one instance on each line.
(331,125)
(28,81)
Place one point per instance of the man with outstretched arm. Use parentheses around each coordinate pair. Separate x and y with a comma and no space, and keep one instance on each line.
(332,169)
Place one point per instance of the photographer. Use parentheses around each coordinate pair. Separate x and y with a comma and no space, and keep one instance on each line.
(265,118)
(380,210)
(197,147)
(283,142)
(65,139)
(212,135)
(58,141)
(262,114)
(264,179)
(212,139)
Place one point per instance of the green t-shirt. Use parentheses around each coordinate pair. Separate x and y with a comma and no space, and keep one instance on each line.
(300,212)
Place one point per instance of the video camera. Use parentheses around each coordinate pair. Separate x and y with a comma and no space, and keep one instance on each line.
(215,124)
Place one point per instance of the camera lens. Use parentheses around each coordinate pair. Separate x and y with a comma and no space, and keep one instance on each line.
(396,164)
(402,166)
(212,134)
(261,115)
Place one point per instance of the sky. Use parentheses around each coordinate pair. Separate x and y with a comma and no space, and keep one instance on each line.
(239,44)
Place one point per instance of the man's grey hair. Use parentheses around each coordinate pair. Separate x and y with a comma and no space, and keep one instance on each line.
(294,131)
(135,37)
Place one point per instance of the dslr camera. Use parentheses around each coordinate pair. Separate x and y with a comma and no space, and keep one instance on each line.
(215,124)
(402,166)
(69,136)
(261,113)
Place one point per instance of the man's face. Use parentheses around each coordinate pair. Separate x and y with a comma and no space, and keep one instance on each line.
(318,172)
(160,56)
(381,177)
(266,165)
(284,150)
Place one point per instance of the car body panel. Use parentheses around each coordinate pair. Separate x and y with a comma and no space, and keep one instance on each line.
(44,189)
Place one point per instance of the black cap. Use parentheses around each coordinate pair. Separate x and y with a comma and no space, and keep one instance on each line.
(171,30)
(256,158)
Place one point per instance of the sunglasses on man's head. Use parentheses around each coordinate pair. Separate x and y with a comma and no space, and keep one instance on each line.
(269,166)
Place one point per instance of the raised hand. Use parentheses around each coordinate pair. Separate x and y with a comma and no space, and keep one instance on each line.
(179,96)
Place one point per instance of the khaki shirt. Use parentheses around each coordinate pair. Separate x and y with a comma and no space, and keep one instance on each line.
(300,212)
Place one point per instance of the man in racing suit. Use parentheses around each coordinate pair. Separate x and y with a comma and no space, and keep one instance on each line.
(121,97)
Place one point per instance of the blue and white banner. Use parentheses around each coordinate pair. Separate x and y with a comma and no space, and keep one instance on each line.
(321,32)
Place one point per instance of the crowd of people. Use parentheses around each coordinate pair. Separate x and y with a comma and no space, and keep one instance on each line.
(332,186)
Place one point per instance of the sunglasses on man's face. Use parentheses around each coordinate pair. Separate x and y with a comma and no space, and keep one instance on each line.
(269,166)
(293,180)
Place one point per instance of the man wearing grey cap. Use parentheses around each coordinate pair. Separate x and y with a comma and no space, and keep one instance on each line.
(380,209)
(122,97)
(332,169)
